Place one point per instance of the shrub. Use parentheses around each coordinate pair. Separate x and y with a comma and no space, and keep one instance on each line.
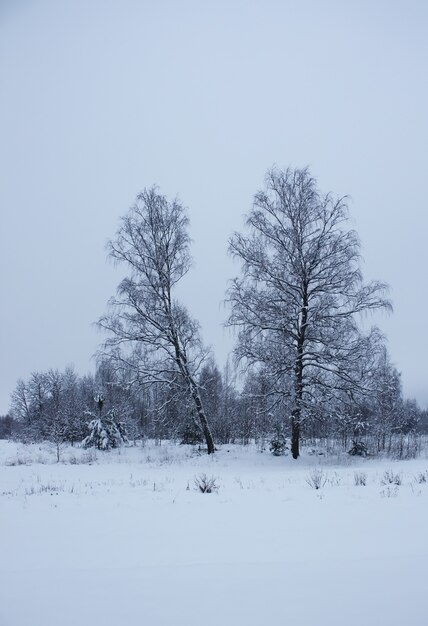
(335,480)
(421,477)
(315,452)
(190,434)
(360,479)
(86,458)
(389,492)
(206,484)
(316,478)
(18,460)
(358,449)
(390,478)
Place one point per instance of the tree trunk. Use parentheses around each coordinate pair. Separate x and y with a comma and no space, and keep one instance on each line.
(295,434)
(202,418)
(181,360)
(298,381)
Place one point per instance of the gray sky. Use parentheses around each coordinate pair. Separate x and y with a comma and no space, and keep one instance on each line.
(101,98)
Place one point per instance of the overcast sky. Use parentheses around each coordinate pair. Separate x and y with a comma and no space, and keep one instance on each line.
(102,98)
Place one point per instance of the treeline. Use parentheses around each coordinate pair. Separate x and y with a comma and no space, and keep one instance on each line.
(60,406)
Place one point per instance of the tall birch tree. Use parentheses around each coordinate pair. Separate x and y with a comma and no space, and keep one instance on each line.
(151,333)
(297,301)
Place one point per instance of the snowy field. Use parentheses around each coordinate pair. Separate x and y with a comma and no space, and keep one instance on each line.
(124,538)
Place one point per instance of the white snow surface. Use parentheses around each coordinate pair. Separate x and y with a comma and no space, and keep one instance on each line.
(126,539)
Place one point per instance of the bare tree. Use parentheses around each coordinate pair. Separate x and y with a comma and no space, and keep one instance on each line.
(29,403)
(297,301)
(151,333)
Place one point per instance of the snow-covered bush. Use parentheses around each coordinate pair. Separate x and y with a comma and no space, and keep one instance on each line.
(317,478)
(389,492)
(104,434)
(335,480)
(421,477)
(206,484)
(358,449)
(391,478)
(18,460)
(106,431)
(360,479)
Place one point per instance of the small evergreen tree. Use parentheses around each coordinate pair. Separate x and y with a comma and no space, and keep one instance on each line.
(278,443)
(106,431)
(190,434)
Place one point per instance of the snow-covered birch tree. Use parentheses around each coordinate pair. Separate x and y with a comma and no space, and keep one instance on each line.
(151,333)
(301,289)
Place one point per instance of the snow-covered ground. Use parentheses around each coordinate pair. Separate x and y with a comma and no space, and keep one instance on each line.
(125,539)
